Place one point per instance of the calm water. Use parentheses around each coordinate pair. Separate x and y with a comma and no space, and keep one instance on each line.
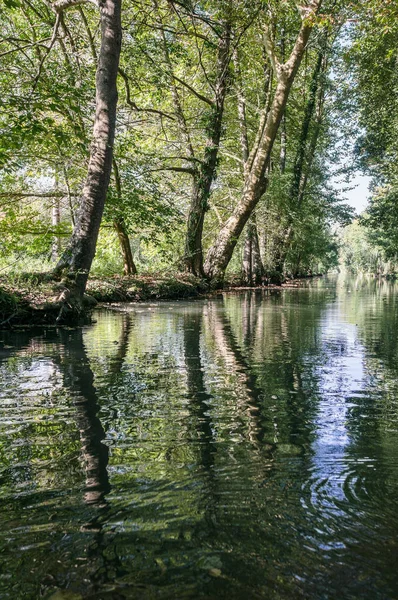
(242,447)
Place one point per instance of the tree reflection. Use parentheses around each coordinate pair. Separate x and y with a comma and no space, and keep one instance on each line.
(247,392)
(198,396)
(252,446)
(68,354)
(79,379)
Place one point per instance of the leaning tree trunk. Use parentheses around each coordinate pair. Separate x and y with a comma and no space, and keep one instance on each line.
(76,261)
(255,183)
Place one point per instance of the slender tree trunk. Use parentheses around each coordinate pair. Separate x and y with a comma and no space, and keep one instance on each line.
(277,274)
(207,170)
(282,155)
(77,259)
(305,154)
(255,184)
(247,258)
(55,221)
(257,263)
(299,163)
(312,148)
(252,265)
(129,267)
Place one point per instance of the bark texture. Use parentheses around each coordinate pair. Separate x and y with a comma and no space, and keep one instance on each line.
(77,259)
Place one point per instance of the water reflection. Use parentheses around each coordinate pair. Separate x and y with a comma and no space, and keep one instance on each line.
(231,448)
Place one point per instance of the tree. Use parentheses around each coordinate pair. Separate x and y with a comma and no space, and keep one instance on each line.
(214,115)
(205,174)
(375,42)
(76,261)
(255,181)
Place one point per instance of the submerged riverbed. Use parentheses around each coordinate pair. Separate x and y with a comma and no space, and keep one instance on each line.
(241,447)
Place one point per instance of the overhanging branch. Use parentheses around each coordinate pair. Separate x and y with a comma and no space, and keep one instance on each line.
(62,5)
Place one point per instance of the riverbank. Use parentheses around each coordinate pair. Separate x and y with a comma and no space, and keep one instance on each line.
(33,299)
(30,299)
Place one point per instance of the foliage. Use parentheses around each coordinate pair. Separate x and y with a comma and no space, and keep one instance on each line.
(360,251)
(166,102)
(372,60)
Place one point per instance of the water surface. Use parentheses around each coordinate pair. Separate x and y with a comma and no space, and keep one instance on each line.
(238,447)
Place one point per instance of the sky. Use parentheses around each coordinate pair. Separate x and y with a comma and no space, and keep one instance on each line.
(358,196)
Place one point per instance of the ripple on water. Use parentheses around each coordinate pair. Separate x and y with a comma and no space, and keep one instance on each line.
(236,448)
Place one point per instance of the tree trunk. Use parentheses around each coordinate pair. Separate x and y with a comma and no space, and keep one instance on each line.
(247,258)
(129,267)
(55,221)
(299,163)
(206,174)
(305,152)
(282,155)
(257,263)
(252,265)
(77,259)
(255,184)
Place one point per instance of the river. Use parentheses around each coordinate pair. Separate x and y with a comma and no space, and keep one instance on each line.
(238,447)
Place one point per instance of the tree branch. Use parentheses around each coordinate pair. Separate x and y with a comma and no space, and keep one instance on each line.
(89,34)
(62,5)
(270,50)
(34,195)
(49,48)
(31,45)
(131,103)
(197,94)
(189,170)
